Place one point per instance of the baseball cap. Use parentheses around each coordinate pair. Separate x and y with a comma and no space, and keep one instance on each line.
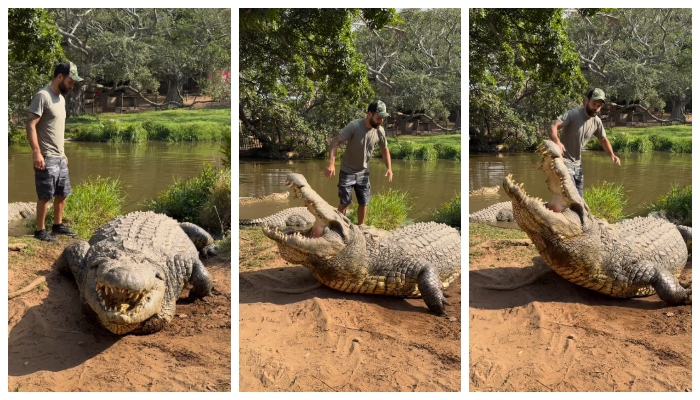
(68,69)
(597,94)
(378,107)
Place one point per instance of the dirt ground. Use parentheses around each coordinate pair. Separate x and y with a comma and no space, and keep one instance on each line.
(325,340)
(52,347)
(555,336)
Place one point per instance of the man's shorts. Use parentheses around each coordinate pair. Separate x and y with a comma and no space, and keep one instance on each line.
(52,181)
(358,181)
(576,174)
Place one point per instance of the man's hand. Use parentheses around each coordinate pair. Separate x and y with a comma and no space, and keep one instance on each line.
(561,146)
(330,170)
(389,174)
(66,157)
(615,159)
(38,160)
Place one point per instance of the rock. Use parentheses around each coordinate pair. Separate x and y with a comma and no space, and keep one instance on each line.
(16,246)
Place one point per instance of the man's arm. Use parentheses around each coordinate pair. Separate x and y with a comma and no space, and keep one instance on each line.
(337,141)
(554,134)
(607,147)
(387,161)
(38,159)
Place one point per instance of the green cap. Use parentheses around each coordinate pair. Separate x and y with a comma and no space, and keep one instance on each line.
(74,73)
(598,94)
(378,107)
(68,69)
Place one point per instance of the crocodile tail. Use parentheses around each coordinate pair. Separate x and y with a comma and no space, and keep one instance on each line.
(251,222)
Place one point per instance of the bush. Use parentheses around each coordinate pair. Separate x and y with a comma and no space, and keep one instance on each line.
(92,204)
(386,210)
(642,144)
(17,136)
(216,213)
(450,212)
(447,152)
(677,205)
(606,201)
(186,200)
(426,153)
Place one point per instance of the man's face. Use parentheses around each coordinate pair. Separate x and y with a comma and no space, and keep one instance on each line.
(375,120)
(66,84)
(593,107)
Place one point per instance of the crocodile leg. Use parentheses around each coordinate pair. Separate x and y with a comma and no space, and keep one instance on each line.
(201,281)
(71,260)
(666,285)
(430,287)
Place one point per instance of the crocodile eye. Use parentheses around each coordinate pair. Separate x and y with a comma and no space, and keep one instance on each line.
(159,276)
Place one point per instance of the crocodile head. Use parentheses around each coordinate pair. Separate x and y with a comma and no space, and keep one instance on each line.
(125,293)
(566,216)
(331,234)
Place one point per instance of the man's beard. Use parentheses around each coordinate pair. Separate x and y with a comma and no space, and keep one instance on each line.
(62,87)
(591,113)
(374,124)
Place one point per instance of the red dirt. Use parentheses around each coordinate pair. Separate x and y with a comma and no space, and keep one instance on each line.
(325,340)
(52,347)
(555,336)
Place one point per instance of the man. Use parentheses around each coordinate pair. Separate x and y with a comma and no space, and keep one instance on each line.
(361,135)
(578,125)
(45,129)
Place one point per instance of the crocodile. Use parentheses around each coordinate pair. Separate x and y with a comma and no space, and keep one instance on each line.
(484,191)
(632,258)
(414,261)
(296,216)
(502,211)
(133,269)
(273,196)
(20,210)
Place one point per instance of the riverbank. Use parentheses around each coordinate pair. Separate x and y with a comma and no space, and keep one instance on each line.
(325,340)
(53,347)
(552,335)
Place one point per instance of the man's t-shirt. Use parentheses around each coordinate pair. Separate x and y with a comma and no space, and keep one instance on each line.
(577,131)
(51,109)
(360,143)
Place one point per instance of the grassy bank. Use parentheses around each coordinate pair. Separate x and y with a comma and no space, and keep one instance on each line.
(677,205)
(674,139)
(386,210)
(168,125)
(450,213)
(427,148)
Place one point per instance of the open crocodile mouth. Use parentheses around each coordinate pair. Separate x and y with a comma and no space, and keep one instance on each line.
(120,300)
(327,245)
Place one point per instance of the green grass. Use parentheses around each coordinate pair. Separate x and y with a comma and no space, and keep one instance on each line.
(427,148)
(450,213)
(607,201)
(386,210)
(674,139)
(677,204)
(224,247)
(171,125)
(92,204)
(188,201)
(253,247)
(482,232)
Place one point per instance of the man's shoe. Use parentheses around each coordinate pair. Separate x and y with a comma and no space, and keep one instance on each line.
(61,229)
(44,236)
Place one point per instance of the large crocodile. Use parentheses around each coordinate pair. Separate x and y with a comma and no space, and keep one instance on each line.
(295,216)
(415,261)
(631,258)
(20,210)
(269,197)
(484,191)
(502,211)
(133,269)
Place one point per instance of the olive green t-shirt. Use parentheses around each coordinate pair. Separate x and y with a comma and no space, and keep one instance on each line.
(360,143)
(51,109)
(576,131)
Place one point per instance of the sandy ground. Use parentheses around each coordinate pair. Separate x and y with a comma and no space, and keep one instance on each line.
(52,347)
(555,336)
(325,340)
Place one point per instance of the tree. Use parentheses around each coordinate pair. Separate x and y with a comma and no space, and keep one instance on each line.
(34,49)
(523,72)
(637,55)
(414,65)
(301,78)
(139,48)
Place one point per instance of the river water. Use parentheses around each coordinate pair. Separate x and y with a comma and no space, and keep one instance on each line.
(145,169)
(645,177)
(429,183)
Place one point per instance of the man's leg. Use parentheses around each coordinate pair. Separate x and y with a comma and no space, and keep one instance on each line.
(42,207)
(63,190)
(343,208)
(579,181)
(345,183)
(361,212)
(59,203)
(362,191)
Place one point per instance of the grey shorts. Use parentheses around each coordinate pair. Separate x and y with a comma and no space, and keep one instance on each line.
(52,181)
(358,181)
(576,174)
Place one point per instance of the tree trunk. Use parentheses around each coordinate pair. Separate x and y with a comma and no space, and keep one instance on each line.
(75,101)
(677,111)
(174,93)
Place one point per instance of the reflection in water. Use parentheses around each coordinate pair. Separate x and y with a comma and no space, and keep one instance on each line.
(429,184)
(145,169)
(645,177)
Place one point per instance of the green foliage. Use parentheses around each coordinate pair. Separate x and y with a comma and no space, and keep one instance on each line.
(386,210)
(677,204)
(644,142)
(226,149)
(92,204)
(607,201)
(301,79)
(34,49)
(216,212)
(447,152)
(427,153)
(17,136)
(186,201)
(523,72)
(450,212)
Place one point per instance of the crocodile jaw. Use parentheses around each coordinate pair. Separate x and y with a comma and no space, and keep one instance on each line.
(327,246)
(125,294)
